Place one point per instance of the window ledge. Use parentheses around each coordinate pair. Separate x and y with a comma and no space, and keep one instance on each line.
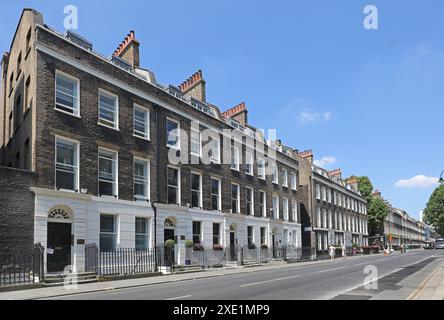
(68,113)
(142,138)
(109,127)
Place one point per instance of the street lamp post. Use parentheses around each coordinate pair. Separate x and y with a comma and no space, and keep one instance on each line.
(441,178)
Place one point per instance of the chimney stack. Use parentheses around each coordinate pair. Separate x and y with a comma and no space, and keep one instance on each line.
(128,50)
(238,113)
(307,154)
(353,182)
(336,173)
(377,194)
(194,87)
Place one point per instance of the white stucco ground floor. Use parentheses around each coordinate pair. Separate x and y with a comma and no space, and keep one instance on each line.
(327,237)
(66,222)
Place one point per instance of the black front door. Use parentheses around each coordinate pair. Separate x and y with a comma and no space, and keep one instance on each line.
(232,246)
(168,234)
(59,246)
(274,247)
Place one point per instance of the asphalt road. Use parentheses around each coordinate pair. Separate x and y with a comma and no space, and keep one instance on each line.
(316,281)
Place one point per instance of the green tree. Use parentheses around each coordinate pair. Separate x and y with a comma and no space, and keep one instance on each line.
(377,212)
(434,212)
(365,187)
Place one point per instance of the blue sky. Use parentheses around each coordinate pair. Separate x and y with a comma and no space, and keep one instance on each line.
(367,101)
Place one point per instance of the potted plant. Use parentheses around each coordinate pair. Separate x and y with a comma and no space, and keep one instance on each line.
(169,252)
(188,248)
(264,247)
(251,246)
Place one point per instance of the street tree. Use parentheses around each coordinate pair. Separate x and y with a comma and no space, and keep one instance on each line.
(365,187)
(434,212)
(377,212)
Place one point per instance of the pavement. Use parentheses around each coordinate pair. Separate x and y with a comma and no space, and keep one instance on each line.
(399,276)
(432,288)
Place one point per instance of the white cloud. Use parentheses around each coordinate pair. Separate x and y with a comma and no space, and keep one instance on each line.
(306,117)
(420,181)
(325,161)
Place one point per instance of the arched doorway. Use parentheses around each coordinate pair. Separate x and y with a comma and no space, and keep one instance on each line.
(169,229)
(59,239)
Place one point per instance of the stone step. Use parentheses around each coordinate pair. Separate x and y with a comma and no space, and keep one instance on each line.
(61,278)
(79,281)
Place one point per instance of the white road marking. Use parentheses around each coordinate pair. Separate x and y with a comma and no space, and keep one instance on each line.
(178,298)
(322,271)
(268,281)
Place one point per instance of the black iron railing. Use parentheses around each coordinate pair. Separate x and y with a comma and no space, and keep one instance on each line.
(127,261)
(22,268)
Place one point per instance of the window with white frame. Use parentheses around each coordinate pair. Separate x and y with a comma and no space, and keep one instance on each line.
(285,209)
(318,218)
(196,190)
(216,233)
(324,218)
(334,198)
(215,194)
(294,181)
(336,221)
(250,239)
(235,158)
(275,174)
(263,236)
(108,232)
(141,119)
(275,206)
(263,203)
(324,194)
(141,179)
(330,220)
(67,164)
(235,198)
(214,152)
(250,203)
(108,109)
(329,195)
(261,169)
(107,172)
(67,93)
(284,178)
(197,232)
(173,191)
(318,191)
(294,211)
(196,143)
(141,234)
(249,160)
(173,134)
(340,224)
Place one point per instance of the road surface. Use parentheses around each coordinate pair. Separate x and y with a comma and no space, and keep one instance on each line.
(339,279)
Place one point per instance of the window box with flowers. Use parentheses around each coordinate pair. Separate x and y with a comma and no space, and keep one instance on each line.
(198,247)
(218,247)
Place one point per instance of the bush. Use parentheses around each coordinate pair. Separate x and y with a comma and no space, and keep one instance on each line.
(170,243)
(251,246)
(355,245)
(264,247)
(218,247)
(189,244)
